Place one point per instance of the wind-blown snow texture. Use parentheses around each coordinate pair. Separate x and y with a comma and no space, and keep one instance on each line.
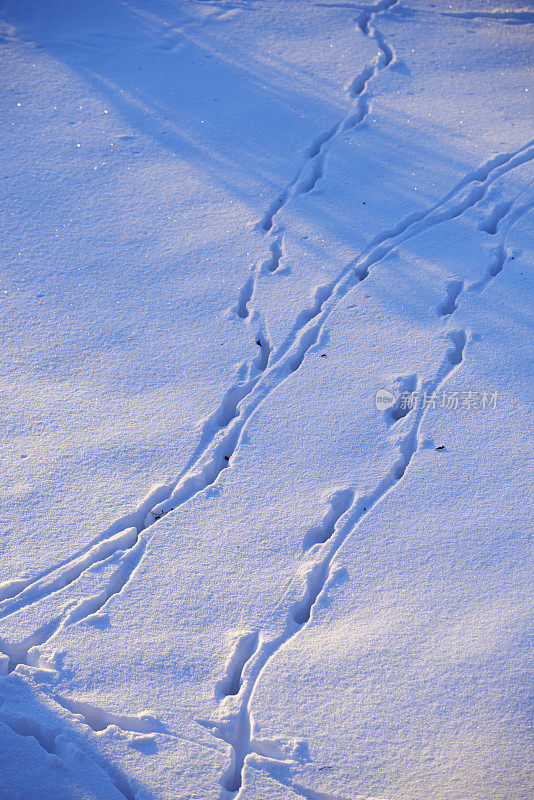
(225,573)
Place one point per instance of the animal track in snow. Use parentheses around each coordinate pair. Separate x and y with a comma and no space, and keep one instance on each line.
(236,723)
(339,501)
(221,434)
(98,719)
(491,224)
(222,431)
(453,290)
(398,411)
(311,170)
(305,335)
(244,649)
(503,217)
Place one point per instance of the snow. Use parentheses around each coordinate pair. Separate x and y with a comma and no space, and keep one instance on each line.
(226,225)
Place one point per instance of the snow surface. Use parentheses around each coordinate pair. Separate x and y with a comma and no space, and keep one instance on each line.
(226,224)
